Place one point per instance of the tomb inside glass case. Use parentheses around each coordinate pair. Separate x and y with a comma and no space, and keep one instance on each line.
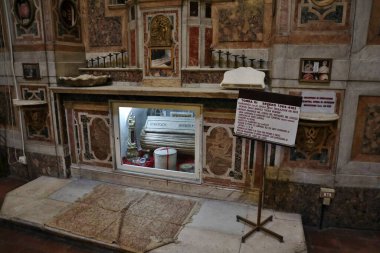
(158,139)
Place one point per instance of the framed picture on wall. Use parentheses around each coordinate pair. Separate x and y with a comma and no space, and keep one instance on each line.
(161,58)
(315,70)
(31,71)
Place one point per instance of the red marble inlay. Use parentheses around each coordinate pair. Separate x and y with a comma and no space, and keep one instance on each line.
(133,48)
(193,46)
(208,42)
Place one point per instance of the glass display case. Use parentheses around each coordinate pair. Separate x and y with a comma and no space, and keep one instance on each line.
(162,140)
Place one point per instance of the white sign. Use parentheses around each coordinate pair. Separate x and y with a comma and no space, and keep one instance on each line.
(318,101)
(267,121)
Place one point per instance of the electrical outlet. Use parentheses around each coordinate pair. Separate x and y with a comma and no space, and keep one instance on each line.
(327,193)
(22,159)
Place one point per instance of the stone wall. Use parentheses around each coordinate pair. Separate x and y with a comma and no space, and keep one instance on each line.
(350,208)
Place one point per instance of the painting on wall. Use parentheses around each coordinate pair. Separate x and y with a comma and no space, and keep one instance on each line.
(24,12)
(31,71)
(315,70)
(242,22)
(161,58)
(68,14)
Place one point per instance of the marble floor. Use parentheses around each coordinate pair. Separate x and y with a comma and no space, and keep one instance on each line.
(212,230)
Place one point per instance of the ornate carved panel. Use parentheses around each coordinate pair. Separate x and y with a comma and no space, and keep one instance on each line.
(219,147)
(225,158)
(33,92)
(366,143)
(328,12)
(241,22)
(315,145)
(88,130)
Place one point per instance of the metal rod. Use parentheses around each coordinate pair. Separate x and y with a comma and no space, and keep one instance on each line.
(252,60)
(110,56)
(261,63)
(236,60)
(212,57)
(122,57)
(104,61)
(228,59)
(220,58)
(116,62)
(243,59)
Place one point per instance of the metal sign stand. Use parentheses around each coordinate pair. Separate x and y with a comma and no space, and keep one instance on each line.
(265,117)
(259,225)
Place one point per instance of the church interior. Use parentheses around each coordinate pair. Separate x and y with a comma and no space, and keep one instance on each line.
(136,93)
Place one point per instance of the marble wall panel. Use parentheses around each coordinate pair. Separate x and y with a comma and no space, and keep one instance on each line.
(366,142)
(193,46)
(7,113)
(88,127)
(27,20)
(102,30)
(2,42)
(123,75)
(351,207)
(132,53)
(208,43)
(202,76)
(374,24)
(226,157)
(94,138)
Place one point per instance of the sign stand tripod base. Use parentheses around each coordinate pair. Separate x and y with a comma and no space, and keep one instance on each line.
(259,225)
